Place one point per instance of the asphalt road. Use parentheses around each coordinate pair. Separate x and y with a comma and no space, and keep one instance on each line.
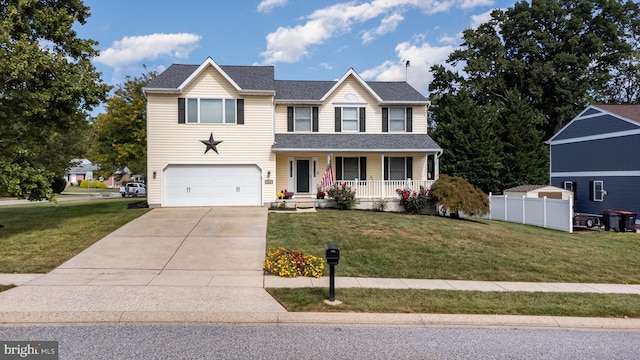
(325,342)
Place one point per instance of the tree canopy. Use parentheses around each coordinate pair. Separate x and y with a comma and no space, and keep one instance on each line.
(119,136)
(48,87)
(531,69)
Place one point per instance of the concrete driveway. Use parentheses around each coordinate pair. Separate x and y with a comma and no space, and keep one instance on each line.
(170,259)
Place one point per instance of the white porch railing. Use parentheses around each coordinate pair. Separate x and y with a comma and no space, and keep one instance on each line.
(380,189)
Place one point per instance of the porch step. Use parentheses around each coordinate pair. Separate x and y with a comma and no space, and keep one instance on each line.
(305,203)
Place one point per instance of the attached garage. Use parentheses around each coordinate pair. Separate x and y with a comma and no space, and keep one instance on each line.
(212,185)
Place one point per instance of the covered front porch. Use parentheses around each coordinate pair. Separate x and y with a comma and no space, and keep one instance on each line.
(373,176)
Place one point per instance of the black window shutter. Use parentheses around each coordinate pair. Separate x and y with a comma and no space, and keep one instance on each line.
(575,190)
(290,118)
(338,119)
(338,167)
(386,168)
(385,120)
(363,125)
(409,119)
(240,110)
(363,168)
(181,114)
(409,167)
(591,190)
(314,118)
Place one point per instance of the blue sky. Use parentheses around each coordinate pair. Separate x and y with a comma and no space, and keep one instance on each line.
(303,39)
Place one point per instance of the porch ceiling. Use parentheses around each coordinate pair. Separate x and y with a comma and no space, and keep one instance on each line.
(388,142)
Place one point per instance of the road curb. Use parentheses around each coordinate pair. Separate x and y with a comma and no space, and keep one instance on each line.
(321,319)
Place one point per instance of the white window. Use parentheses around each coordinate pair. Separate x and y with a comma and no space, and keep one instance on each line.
(397,169)
(211,111)
(568,185)
(396,119)
(350,119)
(350,168)
(302,119)
(598,190)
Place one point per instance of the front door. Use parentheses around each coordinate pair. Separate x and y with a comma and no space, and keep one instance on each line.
(302,176)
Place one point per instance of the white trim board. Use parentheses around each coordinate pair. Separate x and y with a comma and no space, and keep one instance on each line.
(595,173)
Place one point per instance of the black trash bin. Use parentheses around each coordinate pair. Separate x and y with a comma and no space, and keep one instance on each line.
(627,220)
(611,220)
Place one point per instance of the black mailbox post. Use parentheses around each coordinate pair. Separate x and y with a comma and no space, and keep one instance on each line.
(332,254)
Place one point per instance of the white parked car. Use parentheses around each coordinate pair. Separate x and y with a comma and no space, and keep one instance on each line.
(133,189)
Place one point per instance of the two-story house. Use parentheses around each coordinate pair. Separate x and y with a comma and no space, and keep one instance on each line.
(233,135)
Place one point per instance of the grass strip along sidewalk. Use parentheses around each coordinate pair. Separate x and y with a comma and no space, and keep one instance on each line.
(425,247)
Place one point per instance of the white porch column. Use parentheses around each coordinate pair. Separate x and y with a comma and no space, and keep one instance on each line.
(382,172)
(436,167)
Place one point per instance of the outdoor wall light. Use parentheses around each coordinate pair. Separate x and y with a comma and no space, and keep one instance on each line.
(268,174)
(154,174)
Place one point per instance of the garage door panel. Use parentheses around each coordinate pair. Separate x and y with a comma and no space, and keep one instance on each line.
(212,185)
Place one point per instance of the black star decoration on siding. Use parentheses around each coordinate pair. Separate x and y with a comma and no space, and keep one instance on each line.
(211,144)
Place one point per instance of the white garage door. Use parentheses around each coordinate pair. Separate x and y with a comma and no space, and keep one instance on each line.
(212,185)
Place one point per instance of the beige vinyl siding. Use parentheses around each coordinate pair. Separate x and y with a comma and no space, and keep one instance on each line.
(326,112)
(171,143)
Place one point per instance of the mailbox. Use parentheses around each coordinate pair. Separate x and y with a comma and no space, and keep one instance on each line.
(332,254)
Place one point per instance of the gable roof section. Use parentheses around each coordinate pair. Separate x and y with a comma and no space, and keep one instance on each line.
(244,78)
(298,91)
(352,73)
(355,143)
(600,122)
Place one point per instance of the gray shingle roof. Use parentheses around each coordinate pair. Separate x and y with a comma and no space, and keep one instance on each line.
(262,78)
(355,142)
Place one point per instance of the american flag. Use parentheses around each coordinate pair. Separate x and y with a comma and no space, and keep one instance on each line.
(327,178)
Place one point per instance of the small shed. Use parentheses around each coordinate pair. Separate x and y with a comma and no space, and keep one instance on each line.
(539,191)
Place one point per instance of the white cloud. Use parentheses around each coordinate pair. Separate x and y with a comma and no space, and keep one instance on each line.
(470,4)
(448,39)
(477,20)
(290,44)
(268,5)
(422,57)
(133,49)
(387,25)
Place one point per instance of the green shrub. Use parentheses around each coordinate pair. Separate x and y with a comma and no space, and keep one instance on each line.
(102,185)
(289,263)
(58,185)
(413,201)
(343,196)
(456,194)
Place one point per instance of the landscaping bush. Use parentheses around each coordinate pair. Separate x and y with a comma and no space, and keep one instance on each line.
(456,194)
(343,196)
(413,201)
(289,263)
(93,184)
(58,185)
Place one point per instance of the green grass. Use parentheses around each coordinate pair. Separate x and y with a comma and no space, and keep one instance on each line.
(37,238)
(374,244)
(460,302)
(6,287)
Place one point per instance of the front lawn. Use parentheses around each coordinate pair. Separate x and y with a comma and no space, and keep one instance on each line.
(39,237)
(374,244)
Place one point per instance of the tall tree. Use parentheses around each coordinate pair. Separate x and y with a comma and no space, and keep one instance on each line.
(556,53)
(48,87)
(120,134)
(471,146)
(519,129)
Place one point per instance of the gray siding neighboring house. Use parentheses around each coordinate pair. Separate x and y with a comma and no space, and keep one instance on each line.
(597,156)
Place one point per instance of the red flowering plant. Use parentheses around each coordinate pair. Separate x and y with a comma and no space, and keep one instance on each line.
(343,196)
(413,201)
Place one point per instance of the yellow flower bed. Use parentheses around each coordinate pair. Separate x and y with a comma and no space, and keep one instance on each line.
(289,263)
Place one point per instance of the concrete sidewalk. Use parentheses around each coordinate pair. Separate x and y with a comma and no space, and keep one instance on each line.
(199,278)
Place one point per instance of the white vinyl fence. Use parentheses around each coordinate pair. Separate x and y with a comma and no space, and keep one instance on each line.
(549,213)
